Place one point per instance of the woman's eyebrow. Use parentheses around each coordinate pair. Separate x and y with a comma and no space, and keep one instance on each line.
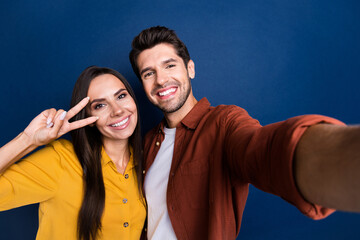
(103,99)
(119,91)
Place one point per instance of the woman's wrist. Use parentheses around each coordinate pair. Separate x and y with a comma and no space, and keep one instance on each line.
(25,142)
(14,150)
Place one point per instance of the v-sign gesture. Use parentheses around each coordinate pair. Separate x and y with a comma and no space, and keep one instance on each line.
(52,124)
(44,128)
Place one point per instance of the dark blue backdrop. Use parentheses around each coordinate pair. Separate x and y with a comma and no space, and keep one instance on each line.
(275,58)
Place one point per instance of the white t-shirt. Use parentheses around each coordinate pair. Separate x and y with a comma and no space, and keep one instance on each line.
(157,177)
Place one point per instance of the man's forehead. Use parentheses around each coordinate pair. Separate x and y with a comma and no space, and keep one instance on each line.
(158,54)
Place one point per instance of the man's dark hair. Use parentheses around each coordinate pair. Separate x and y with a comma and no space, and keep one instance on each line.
(153,36)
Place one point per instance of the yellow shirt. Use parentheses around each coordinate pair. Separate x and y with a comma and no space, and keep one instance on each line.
(52,177)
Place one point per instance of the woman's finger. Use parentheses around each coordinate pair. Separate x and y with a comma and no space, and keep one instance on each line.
(50,116)
(59,120)
(77,108)
(82,123)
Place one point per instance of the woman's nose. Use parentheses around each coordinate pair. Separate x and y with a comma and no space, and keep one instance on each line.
(116,110)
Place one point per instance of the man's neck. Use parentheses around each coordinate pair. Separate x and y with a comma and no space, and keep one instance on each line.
(173,119)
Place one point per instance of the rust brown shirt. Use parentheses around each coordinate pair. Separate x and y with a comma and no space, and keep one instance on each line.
(218,152)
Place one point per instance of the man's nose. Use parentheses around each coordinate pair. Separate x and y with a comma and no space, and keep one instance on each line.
(161,78)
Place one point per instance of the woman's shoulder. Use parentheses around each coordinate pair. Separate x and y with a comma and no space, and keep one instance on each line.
(62,147)
(66,153)
(62,144)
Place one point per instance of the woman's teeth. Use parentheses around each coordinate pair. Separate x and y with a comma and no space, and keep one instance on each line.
(120,123)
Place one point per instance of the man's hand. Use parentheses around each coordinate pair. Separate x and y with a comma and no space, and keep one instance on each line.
(327,166)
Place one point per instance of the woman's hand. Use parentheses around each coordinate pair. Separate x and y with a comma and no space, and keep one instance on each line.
(47,126)
(52,124)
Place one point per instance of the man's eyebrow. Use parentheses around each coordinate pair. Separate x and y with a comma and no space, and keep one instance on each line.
(169,60)
(145,70)
(163,62)
(103,99)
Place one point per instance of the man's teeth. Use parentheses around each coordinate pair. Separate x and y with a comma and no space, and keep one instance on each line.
(171,90)
(120,123)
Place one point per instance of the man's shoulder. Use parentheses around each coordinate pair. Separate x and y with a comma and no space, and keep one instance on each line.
(224,111)
(213,113)
(224,107)
(205,104)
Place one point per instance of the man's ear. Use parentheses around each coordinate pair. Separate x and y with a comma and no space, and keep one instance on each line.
(191,69)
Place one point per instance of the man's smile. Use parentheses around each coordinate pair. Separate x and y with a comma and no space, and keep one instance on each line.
(167,92)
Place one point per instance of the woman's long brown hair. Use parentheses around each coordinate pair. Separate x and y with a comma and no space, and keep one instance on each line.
(88,144)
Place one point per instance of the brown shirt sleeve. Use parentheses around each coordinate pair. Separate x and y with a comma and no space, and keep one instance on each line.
(263,156)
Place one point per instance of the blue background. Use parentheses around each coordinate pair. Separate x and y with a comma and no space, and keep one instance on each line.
(276,59)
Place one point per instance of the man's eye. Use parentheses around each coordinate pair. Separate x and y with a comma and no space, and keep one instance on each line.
(170,66)
(148,74)
(98,106)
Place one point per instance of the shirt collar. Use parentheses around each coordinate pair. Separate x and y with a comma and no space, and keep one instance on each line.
(105,159)
(192,119)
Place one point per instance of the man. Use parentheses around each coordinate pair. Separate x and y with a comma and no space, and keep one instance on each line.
(200,159)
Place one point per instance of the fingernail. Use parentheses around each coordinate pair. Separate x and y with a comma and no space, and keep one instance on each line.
(48,121)
(88,98)
(63,115)
(49,125)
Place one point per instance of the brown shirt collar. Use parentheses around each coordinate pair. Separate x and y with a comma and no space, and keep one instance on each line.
(192,119)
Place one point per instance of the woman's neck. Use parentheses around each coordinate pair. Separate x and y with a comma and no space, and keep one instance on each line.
(119,153)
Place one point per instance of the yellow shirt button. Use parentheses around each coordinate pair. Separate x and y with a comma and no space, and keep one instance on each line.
(157,144)
(126,224)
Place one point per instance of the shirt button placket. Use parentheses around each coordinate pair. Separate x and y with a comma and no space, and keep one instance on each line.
(125,201)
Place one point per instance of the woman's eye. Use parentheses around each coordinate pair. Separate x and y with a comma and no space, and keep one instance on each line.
(98,106)
(122,96)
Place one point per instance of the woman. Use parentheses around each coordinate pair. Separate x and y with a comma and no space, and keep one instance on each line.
(90,188)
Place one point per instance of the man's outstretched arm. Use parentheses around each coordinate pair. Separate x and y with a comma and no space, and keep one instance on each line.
(327,166)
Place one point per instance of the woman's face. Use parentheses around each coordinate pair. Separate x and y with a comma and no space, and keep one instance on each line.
(116,109)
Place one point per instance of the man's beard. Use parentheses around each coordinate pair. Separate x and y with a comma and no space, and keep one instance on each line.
(178,104)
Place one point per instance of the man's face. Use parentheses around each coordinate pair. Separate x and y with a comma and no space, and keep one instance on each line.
(165,78)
